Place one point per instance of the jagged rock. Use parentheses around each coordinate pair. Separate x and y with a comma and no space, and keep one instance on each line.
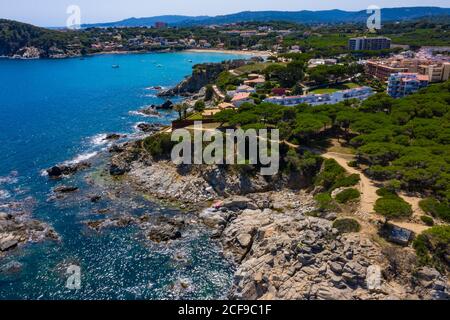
(166,229)
(120,222)
(335,267)
(213,219)
(428,274)
(95,198)
(116,169)
(166,105)
(11,267)
(65,189)
(239,203)
(150,111)
(67,169)
(149,127)
(6,245)
(244,240)
(4,216)
(114,136)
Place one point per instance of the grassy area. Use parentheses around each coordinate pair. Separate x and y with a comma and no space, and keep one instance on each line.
(195,116)
(422,37)
(331,89)
(253,68)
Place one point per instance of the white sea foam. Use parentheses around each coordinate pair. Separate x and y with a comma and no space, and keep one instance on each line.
(99,139)
(141,114)
(82,157)
(8,180)
(4,194)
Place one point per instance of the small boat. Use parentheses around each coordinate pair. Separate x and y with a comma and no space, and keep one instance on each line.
(115,66)
(159,65)
(190,61)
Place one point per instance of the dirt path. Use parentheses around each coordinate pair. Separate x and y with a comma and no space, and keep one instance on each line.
(369,195)
(367,187)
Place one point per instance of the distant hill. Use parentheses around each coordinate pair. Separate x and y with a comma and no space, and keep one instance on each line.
(147,22)
(306,17)
(15,35)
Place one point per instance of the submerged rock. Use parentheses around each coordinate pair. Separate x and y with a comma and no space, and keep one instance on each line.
(11,267)
(166,229)
(65,189)
(150,111)
(114,136)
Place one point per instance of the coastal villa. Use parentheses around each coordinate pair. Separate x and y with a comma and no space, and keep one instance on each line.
(361,93)
(241,89)
(255,79)
(241,98)
(226,105)
(403,84)
(320,62)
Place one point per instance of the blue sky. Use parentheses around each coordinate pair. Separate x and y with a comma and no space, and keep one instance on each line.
(53,12)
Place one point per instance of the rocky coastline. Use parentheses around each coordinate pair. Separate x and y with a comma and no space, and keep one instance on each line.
(281,249)
(18,228)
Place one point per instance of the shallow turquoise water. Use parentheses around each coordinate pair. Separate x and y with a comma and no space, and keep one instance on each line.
(56,110)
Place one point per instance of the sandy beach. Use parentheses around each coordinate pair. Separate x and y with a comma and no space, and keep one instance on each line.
(249,52)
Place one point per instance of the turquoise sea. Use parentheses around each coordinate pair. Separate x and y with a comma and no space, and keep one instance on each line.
(52,111)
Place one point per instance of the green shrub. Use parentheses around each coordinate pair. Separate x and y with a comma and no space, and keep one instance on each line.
(199,105)
(348,181)
(348,195)
(159,145)
(347,225)
(353,164)
(330,173)
(324,201)
(436,209)
(427,220)
(385,192)
(432,247)
(393,207)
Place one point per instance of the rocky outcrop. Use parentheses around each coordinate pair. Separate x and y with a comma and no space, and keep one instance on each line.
(166,105)
(150,111)
(65,189)
(123,157)
(157,229)
(149,127)
(18,228)
(66,169)
(282,253)
(114,136)
(29,53)
(202,75)
(194,184)
(166,229)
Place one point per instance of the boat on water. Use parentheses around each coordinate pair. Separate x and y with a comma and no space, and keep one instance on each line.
(159,65)
(115,66)
(190,61)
